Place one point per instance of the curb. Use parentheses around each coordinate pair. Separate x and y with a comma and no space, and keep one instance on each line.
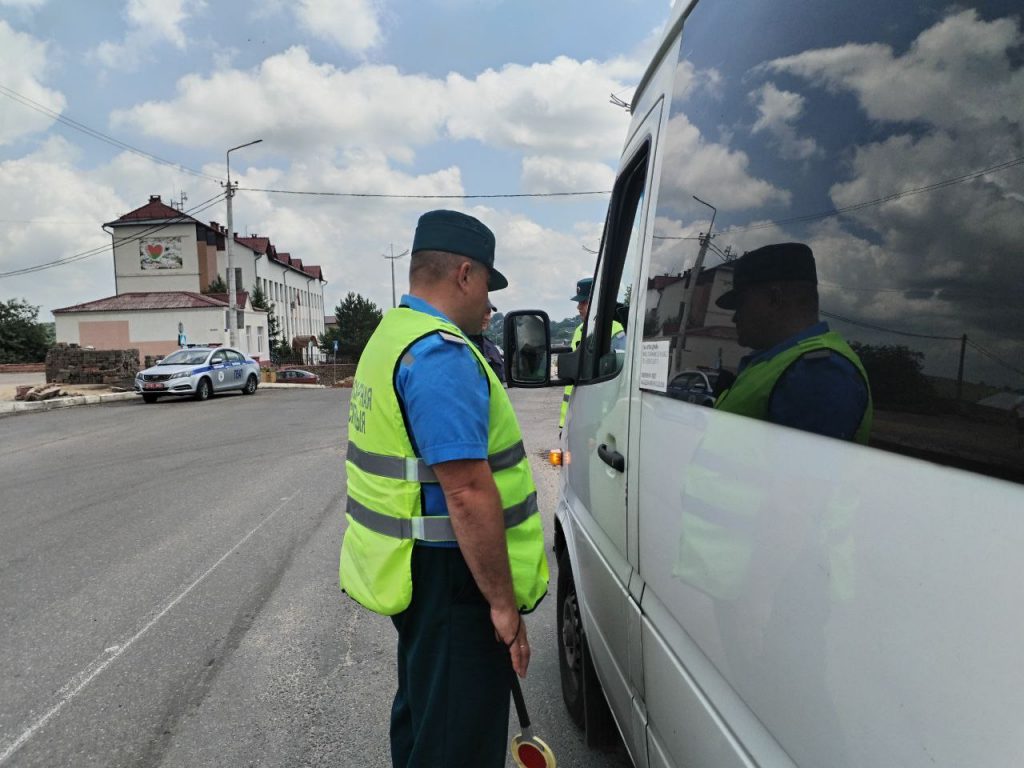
(63,402)
(17,406)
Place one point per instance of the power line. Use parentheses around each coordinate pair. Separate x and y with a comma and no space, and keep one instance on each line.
(423,197)
(994,358)
(874,327)
(102,249)
(886,199)
(35,105)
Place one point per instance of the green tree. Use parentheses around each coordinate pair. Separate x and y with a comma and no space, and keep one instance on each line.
(358,318)
(259,301)
(896,376)
(217,285)
(22,338)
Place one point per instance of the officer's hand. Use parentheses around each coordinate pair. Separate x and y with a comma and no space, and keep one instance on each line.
(510,629)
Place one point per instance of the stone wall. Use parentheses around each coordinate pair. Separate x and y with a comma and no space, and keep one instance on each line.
(70,364)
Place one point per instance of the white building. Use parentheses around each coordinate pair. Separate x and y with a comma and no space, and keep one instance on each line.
(164,263)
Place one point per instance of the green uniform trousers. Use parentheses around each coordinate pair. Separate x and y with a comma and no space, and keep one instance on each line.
(454,678)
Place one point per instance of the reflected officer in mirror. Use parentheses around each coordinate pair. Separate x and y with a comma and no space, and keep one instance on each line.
(801,374)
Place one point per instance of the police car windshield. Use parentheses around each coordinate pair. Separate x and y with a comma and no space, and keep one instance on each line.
(185,357)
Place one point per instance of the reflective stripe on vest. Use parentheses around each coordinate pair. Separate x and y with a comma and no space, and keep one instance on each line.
(429,527)
(415,470)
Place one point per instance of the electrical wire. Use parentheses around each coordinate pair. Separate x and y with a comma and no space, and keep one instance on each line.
(81,256)
(886,199)
(874,327)
(82,127)
(422,197)
(994,358)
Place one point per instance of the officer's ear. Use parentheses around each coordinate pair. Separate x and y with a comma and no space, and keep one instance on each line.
(465,273)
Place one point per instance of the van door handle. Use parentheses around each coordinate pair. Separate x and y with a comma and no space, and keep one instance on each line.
(613,459)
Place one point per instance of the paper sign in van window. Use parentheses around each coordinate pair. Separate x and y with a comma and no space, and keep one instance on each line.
(654,357)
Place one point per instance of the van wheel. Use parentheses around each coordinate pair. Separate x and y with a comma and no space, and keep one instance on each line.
(203,391)
(250,385)
(570,641)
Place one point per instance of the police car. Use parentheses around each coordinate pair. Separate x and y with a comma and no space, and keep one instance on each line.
(199,372)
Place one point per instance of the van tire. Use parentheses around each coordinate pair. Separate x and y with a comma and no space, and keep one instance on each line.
(570,641)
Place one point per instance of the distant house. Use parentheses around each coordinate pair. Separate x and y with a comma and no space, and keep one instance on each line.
(709,338)
(164,264)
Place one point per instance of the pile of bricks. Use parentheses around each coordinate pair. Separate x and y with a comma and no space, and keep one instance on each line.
(69,364)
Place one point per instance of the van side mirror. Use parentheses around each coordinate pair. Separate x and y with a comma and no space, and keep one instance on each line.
(527,348)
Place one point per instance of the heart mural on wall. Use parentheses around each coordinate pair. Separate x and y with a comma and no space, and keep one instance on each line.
(155,250)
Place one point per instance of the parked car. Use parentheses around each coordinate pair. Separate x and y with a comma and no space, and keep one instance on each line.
(733,592)
(199,372)
(694,387)
(295,376)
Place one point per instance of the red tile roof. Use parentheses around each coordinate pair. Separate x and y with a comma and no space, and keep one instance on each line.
(130,302)
(154,210)
(241,298)
(258,244)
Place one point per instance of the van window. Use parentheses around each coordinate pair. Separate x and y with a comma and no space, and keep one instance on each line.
(605,345)
(890,147)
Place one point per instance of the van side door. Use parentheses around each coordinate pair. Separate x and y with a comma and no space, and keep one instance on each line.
(597,436)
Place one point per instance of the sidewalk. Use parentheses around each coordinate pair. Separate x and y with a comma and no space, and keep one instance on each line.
(8,407)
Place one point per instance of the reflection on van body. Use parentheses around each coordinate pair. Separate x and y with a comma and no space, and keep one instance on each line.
(756,593)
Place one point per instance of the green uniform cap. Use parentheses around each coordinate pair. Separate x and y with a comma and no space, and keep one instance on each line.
(454,232)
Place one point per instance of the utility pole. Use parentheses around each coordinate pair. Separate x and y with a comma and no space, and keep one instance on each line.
(232,301)
(960,370)
(392,258)
(691,286)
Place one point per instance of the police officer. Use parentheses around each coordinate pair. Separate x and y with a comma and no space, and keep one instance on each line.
(491,352)
(582,299)
(801,374)
(584,287)
(443,530)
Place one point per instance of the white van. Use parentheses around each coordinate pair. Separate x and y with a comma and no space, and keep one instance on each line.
(740,593)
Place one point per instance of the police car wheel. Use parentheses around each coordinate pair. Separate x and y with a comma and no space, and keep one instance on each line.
(250,385)
(203,390)
(570,641)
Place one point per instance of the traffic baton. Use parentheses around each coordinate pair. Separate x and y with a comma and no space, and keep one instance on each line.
(527,750)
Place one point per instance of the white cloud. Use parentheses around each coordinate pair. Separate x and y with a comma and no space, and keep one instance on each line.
(955,74)
(711,171)
(22,4)
(300,106)
(24,60)
(54,212)
(149,22)
(351,24)
(552,173)
(777,111)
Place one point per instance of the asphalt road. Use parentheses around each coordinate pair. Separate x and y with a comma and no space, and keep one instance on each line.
(168,589)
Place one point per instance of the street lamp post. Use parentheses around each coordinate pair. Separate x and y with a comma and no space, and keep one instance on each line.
(232,288)
(392,258)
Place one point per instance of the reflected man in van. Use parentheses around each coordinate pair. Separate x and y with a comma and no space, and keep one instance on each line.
(801,374)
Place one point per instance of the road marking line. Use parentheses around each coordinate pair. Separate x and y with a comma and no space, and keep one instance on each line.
(75,685)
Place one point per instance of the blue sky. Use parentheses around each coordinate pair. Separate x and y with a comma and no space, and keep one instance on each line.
(431,97)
